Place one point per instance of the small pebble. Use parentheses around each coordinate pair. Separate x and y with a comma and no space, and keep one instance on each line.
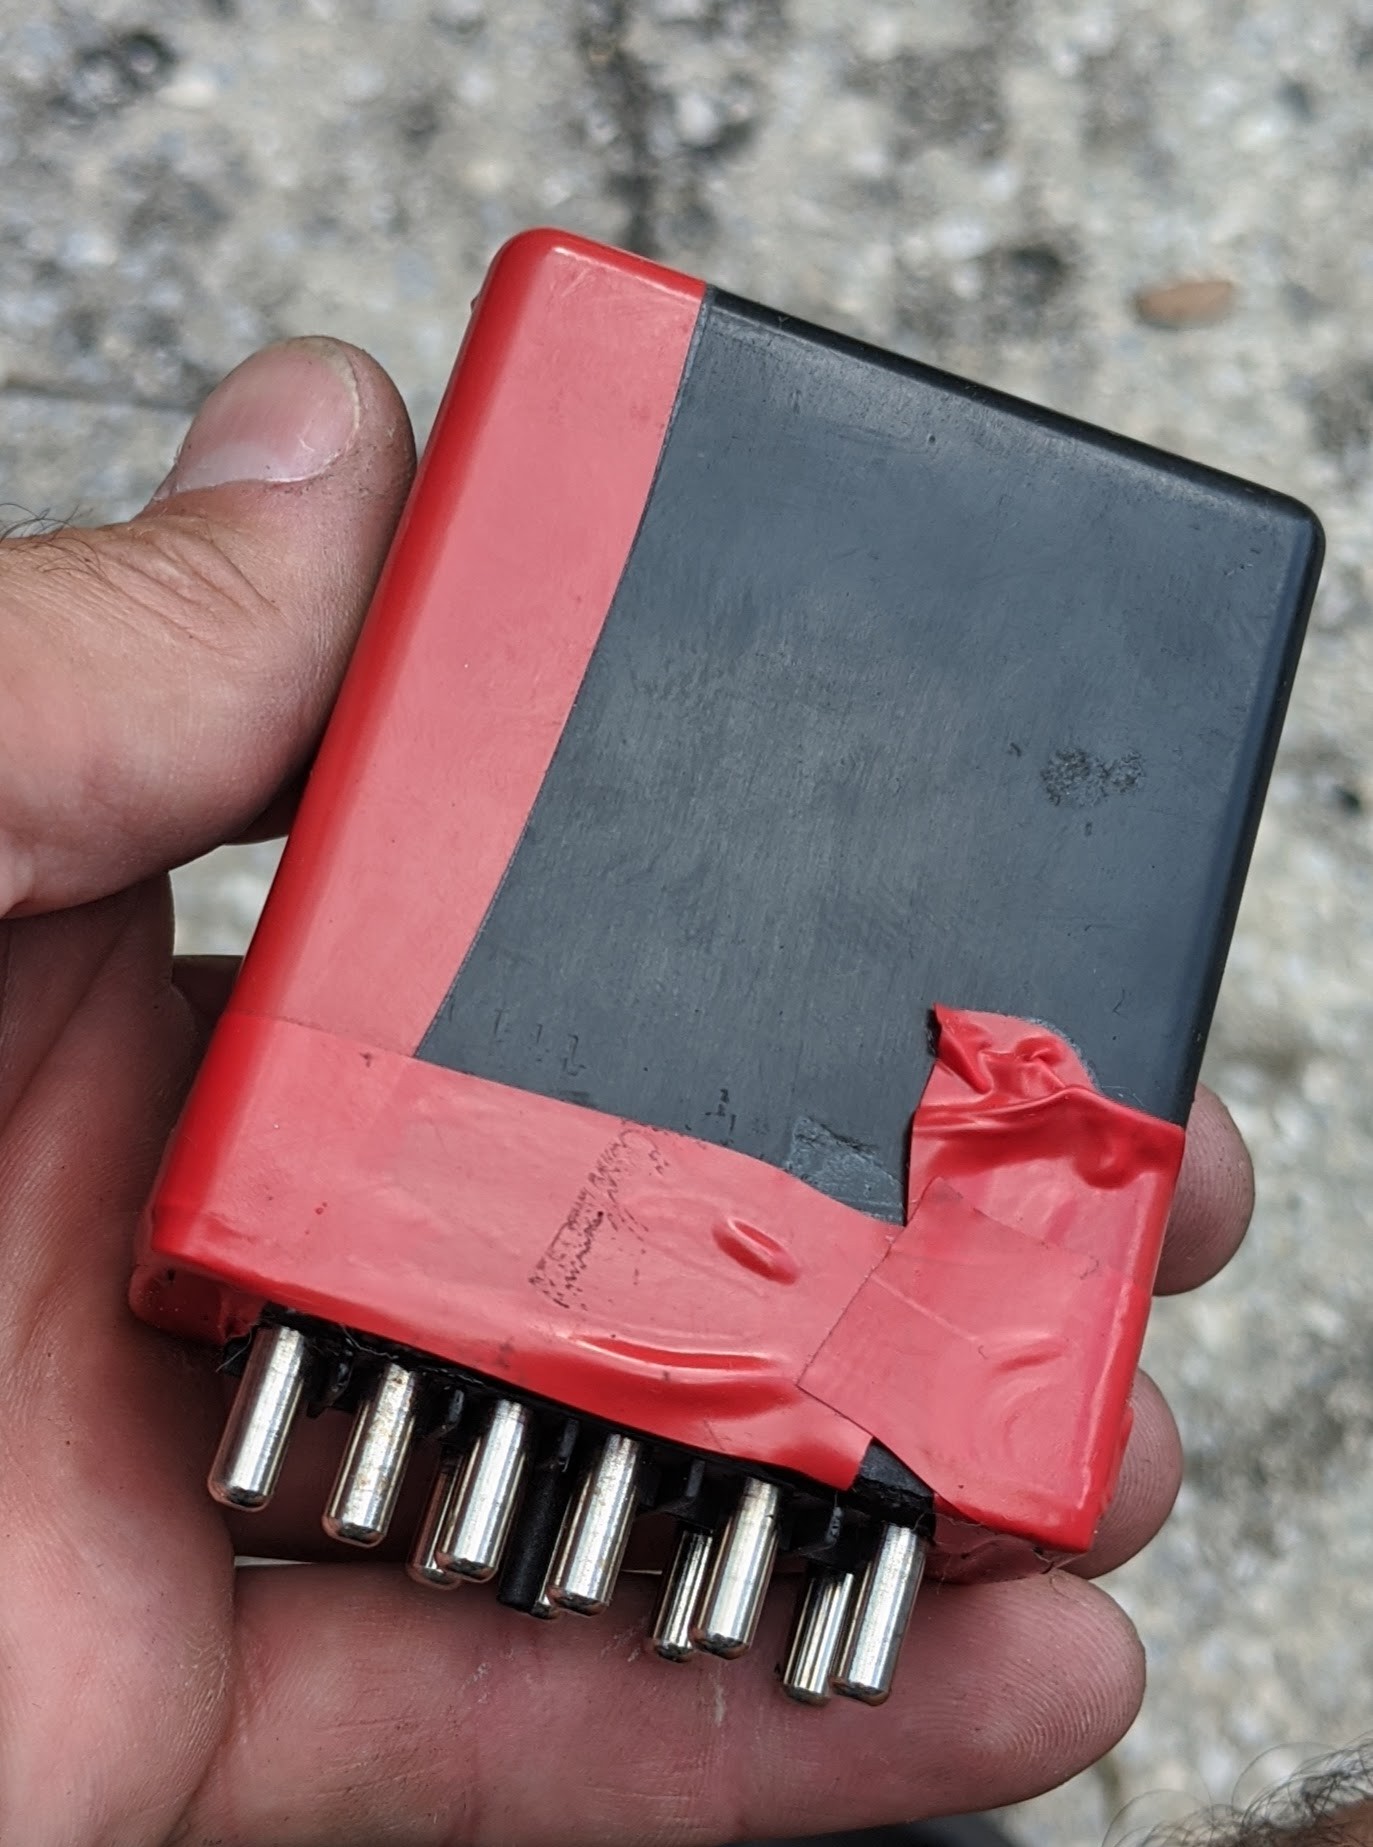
(1196,302)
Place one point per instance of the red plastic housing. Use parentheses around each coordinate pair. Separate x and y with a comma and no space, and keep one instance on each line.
(666,1285)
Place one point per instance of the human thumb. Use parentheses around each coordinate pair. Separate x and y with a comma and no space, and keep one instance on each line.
(162,679)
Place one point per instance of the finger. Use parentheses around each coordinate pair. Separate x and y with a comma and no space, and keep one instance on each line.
(114,1620)
(165,679)
(1214,1199)
(1150,1476)
(366,1708)
(65,977)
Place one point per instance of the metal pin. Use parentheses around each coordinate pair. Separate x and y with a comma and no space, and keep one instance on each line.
(821,1613)
(424,1566)
(253,1447)
(681,1594)
(369,1477)
(472,1540)
(587,1561)
(867,1660)
(543,1605)
(740,1568)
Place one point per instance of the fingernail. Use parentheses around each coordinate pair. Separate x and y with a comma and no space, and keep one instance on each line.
(286,414)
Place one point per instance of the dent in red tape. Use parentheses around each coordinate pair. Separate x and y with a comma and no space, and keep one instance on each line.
(684,1290)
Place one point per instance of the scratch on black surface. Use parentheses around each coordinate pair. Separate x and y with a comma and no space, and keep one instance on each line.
(1075,778)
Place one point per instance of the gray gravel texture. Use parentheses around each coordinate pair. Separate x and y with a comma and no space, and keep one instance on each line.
(989,186)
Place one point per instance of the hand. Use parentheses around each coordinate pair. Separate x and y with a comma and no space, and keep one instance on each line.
(162,683)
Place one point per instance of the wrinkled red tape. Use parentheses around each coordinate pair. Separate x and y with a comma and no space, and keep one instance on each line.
(691,1292)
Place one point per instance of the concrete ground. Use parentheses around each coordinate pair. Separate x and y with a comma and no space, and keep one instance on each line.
(1007,189)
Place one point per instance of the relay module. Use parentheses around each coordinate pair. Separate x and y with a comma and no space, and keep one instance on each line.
(719,1039)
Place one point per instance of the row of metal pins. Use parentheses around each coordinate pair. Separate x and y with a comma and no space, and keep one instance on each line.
(253,1447)
(848,1628)
(474,1497)
(713,1591)
(847,1632)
